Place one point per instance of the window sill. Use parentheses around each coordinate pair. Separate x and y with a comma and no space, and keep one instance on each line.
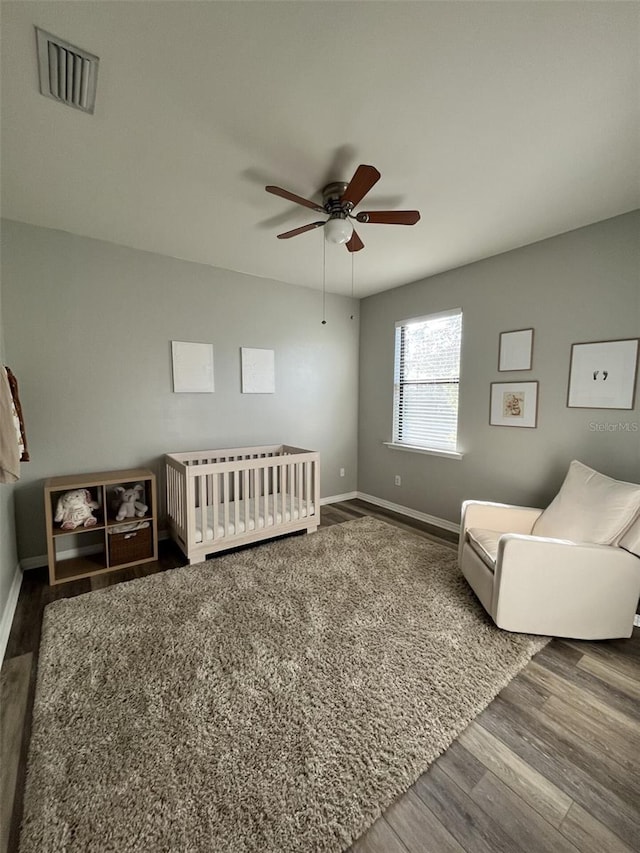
(446,454)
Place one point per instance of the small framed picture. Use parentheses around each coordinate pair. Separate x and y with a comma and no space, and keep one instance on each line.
(514,404)
(602,375)
(516,350)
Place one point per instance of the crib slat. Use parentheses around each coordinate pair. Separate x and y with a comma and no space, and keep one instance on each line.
(245,498)
(307,487)
(215,500)
(191,509)
(256,496)
(225,494)
(299,487)
(236,503)
(292,485)
(283,508)
(274,487)
(202,484)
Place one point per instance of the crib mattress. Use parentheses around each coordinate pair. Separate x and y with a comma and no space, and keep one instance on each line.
(247,517)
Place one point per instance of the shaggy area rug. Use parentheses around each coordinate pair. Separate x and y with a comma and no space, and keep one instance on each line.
(275,699)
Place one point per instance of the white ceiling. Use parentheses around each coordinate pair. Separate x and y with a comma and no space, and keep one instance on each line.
(503,123)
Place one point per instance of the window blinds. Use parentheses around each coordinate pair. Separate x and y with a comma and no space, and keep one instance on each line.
(426,381)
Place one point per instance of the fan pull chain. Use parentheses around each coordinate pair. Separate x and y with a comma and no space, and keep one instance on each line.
(352,289)
(324,281)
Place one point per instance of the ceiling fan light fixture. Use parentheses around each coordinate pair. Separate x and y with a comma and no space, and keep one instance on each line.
(338,230)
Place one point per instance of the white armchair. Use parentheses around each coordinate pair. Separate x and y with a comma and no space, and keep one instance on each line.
(539,585)
(572,570)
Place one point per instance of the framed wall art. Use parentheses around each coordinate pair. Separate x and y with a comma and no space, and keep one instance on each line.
(516,350)
(514,404)
(602,374)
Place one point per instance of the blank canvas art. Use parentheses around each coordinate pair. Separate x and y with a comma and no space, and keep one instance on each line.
(192,367)
(258,371)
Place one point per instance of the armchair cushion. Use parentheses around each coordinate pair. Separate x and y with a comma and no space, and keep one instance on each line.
(590,507)
(485,544)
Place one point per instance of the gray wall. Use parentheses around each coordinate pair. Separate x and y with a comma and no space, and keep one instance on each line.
(88,327)
(580,286)
(8,552)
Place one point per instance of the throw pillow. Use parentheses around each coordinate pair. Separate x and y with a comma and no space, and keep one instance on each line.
(590,507)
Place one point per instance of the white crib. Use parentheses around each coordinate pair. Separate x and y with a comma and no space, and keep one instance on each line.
(218,499)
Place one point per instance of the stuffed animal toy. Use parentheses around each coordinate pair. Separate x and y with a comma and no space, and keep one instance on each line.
(75,509)
(130,505)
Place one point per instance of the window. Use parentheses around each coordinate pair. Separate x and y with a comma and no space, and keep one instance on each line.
(426,381)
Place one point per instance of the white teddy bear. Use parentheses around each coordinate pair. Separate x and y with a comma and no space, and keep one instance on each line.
(75,509)
(130,505)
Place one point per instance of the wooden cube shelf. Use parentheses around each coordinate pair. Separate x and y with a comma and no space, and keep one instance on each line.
(104,546)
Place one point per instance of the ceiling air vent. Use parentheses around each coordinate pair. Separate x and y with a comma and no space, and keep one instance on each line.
(67,74)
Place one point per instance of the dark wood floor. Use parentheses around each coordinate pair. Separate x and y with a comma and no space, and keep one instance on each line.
(553,764)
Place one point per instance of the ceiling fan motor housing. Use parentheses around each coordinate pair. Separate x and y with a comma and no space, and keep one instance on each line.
(331,196)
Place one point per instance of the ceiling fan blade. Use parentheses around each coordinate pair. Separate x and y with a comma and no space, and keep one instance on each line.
(301,230)
(390,217)
(362,181)
(305,202)
(355,243)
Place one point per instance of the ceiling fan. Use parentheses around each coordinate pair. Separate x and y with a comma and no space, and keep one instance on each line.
(339,200)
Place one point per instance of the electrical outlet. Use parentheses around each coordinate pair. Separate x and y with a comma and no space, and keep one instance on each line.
(398,480)
(342,472)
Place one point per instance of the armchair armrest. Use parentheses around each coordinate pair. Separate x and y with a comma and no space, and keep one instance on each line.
(495,516)
(559,588)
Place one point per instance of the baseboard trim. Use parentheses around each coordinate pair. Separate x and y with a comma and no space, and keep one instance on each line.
(9,610)
(29,563)
(411,513)
(334,499)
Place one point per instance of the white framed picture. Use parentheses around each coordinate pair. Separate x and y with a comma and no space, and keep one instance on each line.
(602,374)
(514,404)
(515,351)
(192,367)
(258,371)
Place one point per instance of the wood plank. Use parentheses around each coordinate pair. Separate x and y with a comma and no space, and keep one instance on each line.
(524,693)
(618,655)
(472,827)
(27,619)
(534,788)
(588,755)
(461,766)
(418,828)
(554,659)
(611,676)
(380,838)
(580,692)
(14,693)
(561,652)
(525,734)
(589,835)
(619,742)
(517,818)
